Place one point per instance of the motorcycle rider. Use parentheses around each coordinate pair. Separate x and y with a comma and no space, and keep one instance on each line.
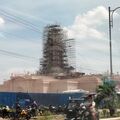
(92,105)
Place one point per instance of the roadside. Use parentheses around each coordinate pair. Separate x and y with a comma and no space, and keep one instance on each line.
(61,117)
(116,118)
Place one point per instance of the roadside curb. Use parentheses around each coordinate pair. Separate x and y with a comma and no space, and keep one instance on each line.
(117,118)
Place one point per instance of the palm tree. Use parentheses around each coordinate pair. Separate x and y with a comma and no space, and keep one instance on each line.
(106,94)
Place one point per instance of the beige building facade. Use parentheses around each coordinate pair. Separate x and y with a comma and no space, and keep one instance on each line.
(49,84)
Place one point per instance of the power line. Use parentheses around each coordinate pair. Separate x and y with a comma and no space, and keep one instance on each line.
(19,18)
(26,15)
(16,36)
(22,22)
(84,68)
(19,21)
(5,52)
(84,60)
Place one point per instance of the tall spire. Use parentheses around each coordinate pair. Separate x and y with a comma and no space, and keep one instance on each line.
(54,50)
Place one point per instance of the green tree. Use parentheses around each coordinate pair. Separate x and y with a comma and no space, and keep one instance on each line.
(106,94)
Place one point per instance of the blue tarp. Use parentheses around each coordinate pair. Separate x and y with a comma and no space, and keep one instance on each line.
(10,98)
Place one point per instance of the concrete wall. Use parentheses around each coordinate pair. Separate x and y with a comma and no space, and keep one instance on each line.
(57,86)
(89,83)
(44,84)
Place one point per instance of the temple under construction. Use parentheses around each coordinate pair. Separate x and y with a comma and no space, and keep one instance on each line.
(57,63)
(55,54)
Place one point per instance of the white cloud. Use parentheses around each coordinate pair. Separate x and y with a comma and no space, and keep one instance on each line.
(91,39)
(85,25)
(1,21)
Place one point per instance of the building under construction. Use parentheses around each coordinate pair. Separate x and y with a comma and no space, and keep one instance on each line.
(58,57)
(55,55)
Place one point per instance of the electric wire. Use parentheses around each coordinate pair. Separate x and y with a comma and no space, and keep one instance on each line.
(20,22)
(19,18)
(14,54)
(17,36)
(23,22)
(25,15)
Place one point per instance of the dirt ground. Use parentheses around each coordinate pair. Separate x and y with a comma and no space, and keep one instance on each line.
(52,117)
(59,117)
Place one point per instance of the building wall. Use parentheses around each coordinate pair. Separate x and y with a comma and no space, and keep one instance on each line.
(72,85)
(44,84)
(57,86)
(89,83)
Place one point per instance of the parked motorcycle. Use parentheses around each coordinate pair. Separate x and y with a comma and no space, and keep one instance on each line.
(80,111)
(86,114)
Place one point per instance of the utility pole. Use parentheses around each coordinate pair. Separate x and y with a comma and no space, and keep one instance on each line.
(110,42)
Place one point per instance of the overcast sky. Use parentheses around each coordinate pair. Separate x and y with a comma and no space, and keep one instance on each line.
(21,28)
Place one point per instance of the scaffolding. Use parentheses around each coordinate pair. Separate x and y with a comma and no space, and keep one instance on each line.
(71,50)
(55,52)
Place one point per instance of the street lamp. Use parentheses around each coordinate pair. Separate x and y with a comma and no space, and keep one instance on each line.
(110,42)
